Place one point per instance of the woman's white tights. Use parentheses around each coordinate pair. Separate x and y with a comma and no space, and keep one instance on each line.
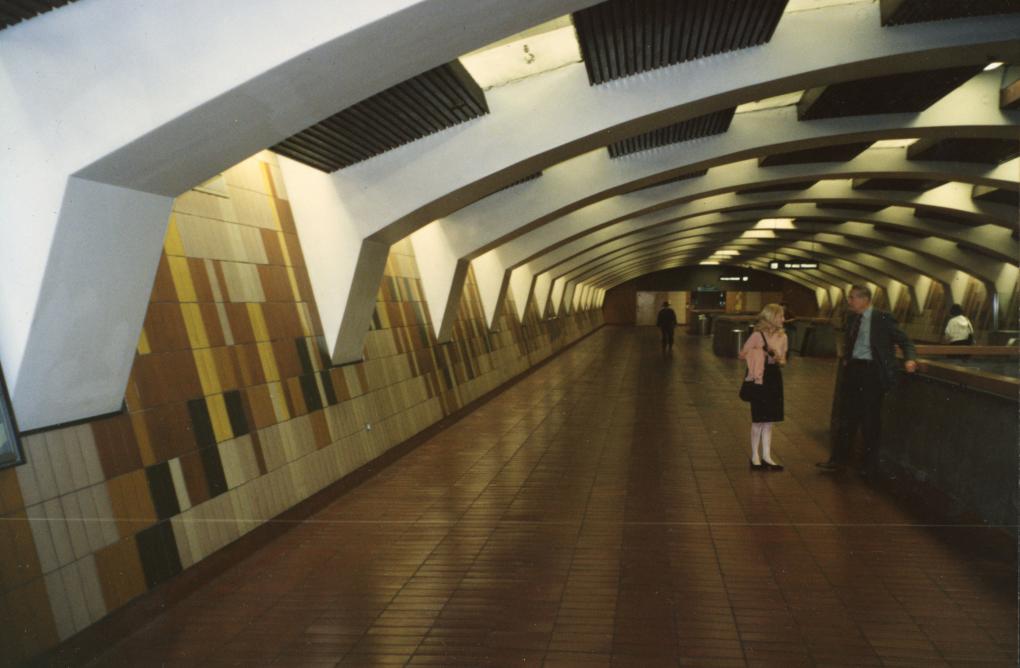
(761,433)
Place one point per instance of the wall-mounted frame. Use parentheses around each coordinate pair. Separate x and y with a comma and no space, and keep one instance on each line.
(11,453)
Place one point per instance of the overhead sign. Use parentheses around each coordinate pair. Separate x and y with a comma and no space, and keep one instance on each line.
(775,264)
(733,278)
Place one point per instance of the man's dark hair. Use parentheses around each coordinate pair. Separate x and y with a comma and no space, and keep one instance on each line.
(861,291)
(955,310)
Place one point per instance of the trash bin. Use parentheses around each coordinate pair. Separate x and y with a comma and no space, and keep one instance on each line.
(740,339)
(703,324)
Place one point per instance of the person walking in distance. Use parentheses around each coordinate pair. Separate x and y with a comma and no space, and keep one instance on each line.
(765,352)
(869,371)
(959,331)
(666,322)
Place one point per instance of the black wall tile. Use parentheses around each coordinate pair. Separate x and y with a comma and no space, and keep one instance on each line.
(235,411)
(201,425)
(213,466)
(158,551)
(161,489)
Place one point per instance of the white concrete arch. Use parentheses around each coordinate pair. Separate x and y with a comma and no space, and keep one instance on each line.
(990,234)
(848,258)
(108,114)
(102,133)
(392,195)
(583,188)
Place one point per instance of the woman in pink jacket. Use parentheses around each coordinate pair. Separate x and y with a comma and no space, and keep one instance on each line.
(765,352)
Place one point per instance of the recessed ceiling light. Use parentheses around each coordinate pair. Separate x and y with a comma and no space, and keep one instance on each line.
(708,262)
(991,66)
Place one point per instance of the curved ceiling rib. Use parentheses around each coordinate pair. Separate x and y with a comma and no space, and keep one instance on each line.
(391,195)
(572,195)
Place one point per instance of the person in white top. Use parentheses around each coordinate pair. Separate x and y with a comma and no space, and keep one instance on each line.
(959,331)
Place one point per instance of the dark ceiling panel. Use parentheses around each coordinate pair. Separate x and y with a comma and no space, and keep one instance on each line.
(780,187)
(428,103)
(620,38)
(836,153)
(890,183)
(941,214)
(898,12)
(987,151)
(16,11)
(694,128)
(997,195)
(672,179)
(892,94)
(852,206)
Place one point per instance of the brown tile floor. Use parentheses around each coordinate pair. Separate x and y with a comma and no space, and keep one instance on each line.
(601,513)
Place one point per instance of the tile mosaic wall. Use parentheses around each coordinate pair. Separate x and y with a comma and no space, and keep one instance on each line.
(233,413)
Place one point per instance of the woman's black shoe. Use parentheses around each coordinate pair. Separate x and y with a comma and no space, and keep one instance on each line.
(772,467)
(757,467)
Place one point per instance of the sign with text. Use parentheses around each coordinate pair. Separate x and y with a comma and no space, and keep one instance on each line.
(737,279)
(782,265)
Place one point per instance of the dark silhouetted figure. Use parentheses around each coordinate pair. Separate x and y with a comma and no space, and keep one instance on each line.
(666,322)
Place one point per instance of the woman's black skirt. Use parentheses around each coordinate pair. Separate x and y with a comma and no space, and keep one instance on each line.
(768,407)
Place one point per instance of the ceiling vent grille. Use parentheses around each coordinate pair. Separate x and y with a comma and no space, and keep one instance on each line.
(16,11)
(621,38)
(694,128)
(430,102)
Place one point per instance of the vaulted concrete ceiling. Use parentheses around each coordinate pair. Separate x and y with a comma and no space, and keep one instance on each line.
(649,170)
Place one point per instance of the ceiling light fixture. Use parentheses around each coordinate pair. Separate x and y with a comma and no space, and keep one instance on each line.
(992,66)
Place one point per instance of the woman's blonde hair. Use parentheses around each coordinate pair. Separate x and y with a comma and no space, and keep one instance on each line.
(770,320)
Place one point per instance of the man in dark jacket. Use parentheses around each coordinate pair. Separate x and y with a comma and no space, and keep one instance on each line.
(869,370)
(666,322)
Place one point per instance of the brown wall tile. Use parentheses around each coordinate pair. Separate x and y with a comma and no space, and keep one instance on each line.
(116,445)
(10,491)
(226,368)
(194,477)
(120,573)
(275,283)
(165,378)
(271,242)
(169,429)
(287,361)
(260,405)
(27,622)
(131,503)
(163,289)
(295,397)
(200,279)
(164,325)
(213,328)
(320,428)
(240,323)
(249,366)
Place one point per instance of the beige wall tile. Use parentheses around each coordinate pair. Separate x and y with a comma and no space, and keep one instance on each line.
(94,602)
(180,486)
(43,538)
(74,519)
(63,618)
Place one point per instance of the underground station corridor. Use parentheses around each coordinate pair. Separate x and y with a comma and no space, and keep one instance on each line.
(601,512)
(326,332)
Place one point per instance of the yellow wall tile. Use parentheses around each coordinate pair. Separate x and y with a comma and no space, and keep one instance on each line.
(268,361)
(279,402)
(195,325)
(283,249)
(218,415)
(207,374)
(293,284)
(173,244)
(181,276)
(142,436)
(143,344)
(258,322)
